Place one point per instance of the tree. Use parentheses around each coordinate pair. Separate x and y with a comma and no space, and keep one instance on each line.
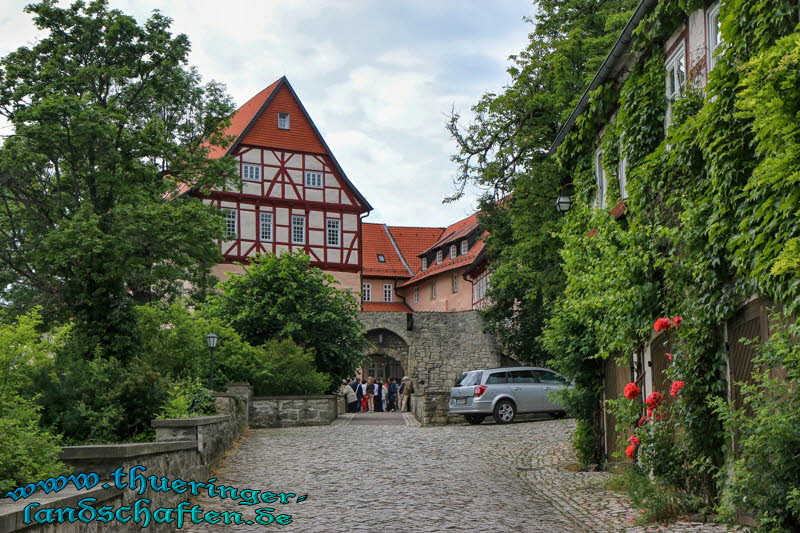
(284,297)
(505,151)
(109,125)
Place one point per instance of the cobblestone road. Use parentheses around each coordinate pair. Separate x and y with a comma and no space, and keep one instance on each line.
(407,478)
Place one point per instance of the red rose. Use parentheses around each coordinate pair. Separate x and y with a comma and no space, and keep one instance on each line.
(649,412)
(633,439)
(676,387)
(632,391)
(654,400)
(642,420)
(630,451)
(669,356)
(678,320)
(662,324)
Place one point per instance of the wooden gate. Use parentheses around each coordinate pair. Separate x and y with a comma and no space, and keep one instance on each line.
(750,323)
(616,377)
(659,362)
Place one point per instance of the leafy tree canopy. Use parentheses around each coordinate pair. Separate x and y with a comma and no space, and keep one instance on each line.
(108,122)
(284,297)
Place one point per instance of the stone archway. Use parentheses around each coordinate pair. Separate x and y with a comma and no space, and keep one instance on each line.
(388,356)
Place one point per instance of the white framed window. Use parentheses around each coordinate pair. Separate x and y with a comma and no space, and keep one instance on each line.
(455,282)
(453,251)
(416,295)
(713,33)
(313,179)
(251,172)
(265,226)
(433,288)
(333,230)
(676,78)
(424,263)
(464,246)
(438,256)
(387,292)
(231,223)
(622,172)
(298,229)
(283,121)
(600,179)
(366,291)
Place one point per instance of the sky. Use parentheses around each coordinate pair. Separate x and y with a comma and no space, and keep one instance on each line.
(377,77)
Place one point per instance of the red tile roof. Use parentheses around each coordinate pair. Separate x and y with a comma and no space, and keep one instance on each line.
(398,307)
(378,240)
(413,241)
(455,231)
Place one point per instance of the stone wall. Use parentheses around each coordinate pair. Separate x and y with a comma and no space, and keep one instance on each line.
(289,411)
(440,346)
(187,448)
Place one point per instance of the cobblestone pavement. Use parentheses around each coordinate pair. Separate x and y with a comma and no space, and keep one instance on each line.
(453,478)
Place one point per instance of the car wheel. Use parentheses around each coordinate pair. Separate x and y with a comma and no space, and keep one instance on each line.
(474,419)
(558,414)
(504,412)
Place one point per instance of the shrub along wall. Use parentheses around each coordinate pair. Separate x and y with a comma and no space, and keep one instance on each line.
(712,219)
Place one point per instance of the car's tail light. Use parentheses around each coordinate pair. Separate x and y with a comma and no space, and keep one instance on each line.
(479,390)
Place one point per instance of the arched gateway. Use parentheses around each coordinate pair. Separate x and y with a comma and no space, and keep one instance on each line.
(388,356)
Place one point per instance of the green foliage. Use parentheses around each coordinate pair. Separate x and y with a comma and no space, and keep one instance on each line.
(284,297)
(765,478)
(27,452)
(291,371)
(187,399)
(108,123)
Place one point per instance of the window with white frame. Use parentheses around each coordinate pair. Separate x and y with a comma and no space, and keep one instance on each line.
(424,263)
(676,78)
(433,288)
(622,173)
(298,229)
(416,295)
(455,282)
(453,251)
(283,121)
(464,246)
(265,222)
(387,292)
(438,256)
(251,172)
(600,179)
(366,291)
(714,34)
(231,223)
(333,227)
(313,179)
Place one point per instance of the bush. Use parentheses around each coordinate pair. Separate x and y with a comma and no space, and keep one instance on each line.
(28,453)
(187,399)
(291,371)
(765,478)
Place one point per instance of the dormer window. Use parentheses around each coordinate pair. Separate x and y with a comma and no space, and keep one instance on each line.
(283,121)
(438,256)
(381,258)
(464,247)
(251,172)
(313,179)
(424,263)
(453,251)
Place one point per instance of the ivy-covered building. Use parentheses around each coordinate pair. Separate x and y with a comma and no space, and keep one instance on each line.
(683,159)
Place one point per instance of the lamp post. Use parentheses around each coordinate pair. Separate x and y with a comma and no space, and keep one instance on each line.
(211,341)
(563,203)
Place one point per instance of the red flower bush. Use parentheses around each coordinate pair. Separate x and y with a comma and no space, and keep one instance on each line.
(662,324)
(649,412)
(669,356)
(630,451)
(654,400)
(678,320)
(642,420)
(675,388)
(632,391)
(633,439)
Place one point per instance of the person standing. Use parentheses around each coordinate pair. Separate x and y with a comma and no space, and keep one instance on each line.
(377,388)
(349,397)
(359,393)
(392,394)
(408,388)
(369,394)
(385,395)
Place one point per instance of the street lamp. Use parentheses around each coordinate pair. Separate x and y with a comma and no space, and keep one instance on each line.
(211,341)
(562,203)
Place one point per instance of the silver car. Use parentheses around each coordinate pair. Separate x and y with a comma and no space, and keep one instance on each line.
(504,392)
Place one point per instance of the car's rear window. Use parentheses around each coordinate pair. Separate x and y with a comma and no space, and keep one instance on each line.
(497,378)
(469,379)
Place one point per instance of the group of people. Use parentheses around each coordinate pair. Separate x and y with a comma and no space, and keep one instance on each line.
(370,395)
